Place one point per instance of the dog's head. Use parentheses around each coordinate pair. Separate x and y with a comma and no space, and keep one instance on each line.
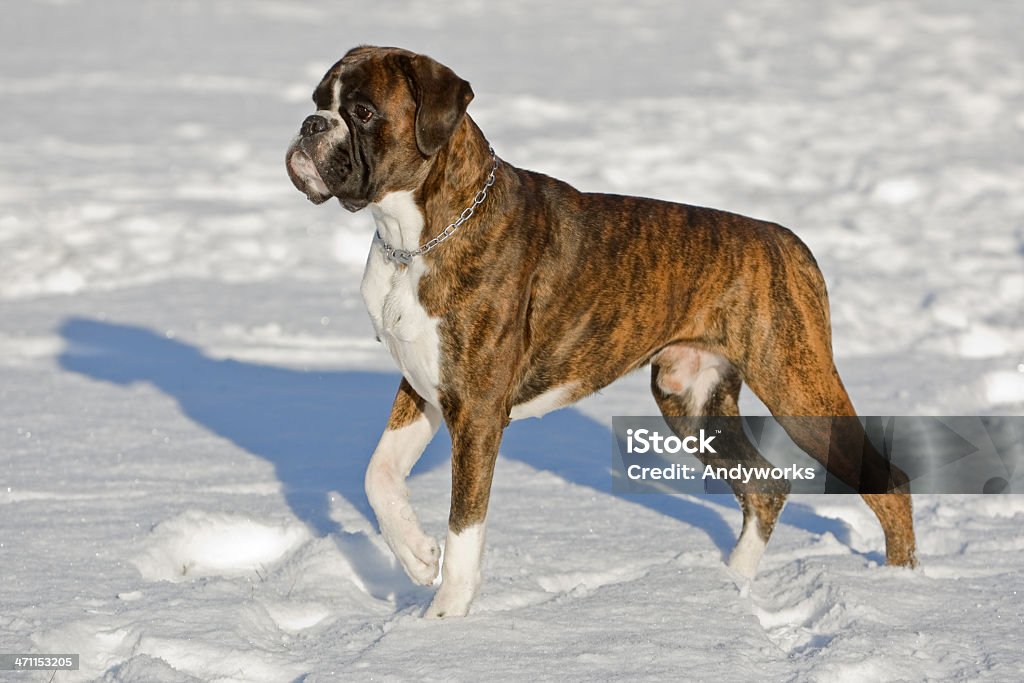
(382,114)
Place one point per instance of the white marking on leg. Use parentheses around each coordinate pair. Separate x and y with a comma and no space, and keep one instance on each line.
(686,369)
(703,384)
(393,459)
(461,575)
(749,549)
(544,403)
(391,294)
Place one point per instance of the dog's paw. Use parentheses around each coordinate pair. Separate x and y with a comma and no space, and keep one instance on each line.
(420,559)
(743,566)
(746,556)
(451,600)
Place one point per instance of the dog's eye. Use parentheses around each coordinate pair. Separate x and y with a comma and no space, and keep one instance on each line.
(363,113)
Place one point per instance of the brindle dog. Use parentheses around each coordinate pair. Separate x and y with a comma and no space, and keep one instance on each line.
(545,294)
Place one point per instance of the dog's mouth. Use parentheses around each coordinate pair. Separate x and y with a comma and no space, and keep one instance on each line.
(305,175)
(308,178)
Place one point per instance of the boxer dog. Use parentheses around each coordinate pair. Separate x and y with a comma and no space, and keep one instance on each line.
(502,294)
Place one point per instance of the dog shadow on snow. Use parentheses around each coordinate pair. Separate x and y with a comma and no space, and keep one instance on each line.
(318,429)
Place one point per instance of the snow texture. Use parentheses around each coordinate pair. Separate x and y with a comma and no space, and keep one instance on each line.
(190,389)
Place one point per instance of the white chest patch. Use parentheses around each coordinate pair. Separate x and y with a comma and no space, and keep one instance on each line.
(391,294)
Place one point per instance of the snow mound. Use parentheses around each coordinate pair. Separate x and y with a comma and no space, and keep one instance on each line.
(200,543)
(100,646)
(146,668)
(294,617)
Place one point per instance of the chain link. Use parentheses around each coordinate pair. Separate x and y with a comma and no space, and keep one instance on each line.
(405,256)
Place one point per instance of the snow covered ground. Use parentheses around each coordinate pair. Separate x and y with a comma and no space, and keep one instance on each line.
(189,387)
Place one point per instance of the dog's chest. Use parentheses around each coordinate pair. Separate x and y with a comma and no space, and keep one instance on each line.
(391,295)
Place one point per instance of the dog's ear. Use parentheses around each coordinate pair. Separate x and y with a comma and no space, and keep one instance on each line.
(441,101)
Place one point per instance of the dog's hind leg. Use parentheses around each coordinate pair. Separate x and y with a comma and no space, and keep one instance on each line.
(837,440)
(410,428)
(793,373)
(690,385)
(784,353)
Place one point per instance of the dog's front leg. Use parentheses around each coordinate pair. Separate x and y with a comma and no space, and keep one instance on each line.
(476,435)
(412,425)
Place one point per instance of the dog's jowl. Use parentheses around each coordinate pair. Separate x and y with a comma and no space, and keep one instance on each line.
(502,293)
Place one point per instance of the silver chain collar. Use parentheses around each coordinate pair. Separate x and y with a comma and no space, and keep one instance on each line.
(405,256)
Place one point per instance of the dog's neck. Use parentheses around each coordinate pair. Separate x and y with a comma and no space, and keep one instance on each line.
(399,219)
(459,171)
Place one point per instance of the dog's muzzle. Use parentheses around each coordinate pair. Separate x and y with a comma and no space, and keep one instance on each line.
(315,148)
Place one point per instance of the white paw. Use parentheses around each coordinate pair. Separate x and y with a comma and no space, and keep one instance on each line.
(463,554)
(742,567)
(746,556)
(452,600)
(420,558)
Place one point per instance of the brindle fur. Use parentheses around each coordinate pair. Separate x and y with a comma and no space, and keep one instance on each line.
(407,408)
(606,283)
(550,287)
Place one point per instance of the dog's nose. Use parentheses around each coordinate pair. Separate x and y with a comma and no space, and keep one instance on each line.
(312,125)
